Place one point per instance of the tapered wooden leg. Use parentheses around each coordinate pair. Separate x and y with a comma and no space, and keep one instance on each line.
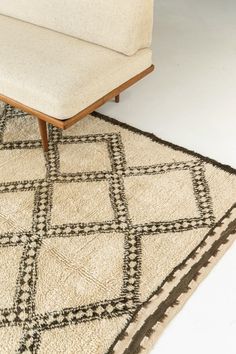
(43,133)
(117,98)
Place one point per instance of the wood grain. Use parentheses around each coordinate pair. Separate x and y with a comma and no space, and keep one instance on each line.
(43,133)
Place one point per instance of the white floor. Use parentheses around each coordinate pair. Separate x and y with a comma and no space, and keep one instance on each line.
(191,100)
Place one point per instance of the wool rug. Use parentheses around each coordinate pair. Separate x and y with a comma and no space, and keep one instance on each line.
(104,238)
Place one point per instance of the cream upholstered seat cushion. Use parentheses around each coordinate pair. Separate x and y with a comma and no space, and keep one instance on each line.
(122,25)
(57,74)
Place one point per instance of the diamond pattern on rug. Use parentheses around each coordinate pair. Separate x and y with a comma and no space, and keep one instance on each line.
(77,280)
(83,199)
(13,131)
(84,157)
(79,336)
(9,339)
(15,214)
(9,266)
(76,227)
(161,194)
(155,247)
(20,165)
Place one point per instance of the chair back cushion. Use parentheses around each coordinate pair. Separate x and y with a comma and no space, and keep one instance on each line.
(121,25)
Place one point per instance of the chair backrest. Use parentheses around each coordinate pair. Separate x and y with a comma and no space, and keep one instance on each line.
(121,25)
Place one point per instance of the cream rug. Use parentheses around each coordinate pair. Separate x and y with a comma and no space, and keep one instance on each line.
(103,239)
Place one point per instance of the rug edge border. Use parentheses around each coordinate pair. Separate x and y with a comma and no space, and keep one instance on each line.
(155,138)
(226,168)
(146,341)
(150,340)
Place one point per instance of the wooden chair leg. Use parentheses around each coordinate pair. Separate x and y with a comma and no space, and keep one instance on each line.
(117,98)
(43,133)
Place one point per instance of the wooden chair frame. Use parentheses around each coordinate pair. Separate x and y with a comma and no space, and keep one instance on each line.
(43,119)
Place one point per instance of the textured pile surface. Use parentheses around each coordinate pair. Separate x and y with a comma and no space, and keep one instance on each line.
(74,73)
(103,239)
